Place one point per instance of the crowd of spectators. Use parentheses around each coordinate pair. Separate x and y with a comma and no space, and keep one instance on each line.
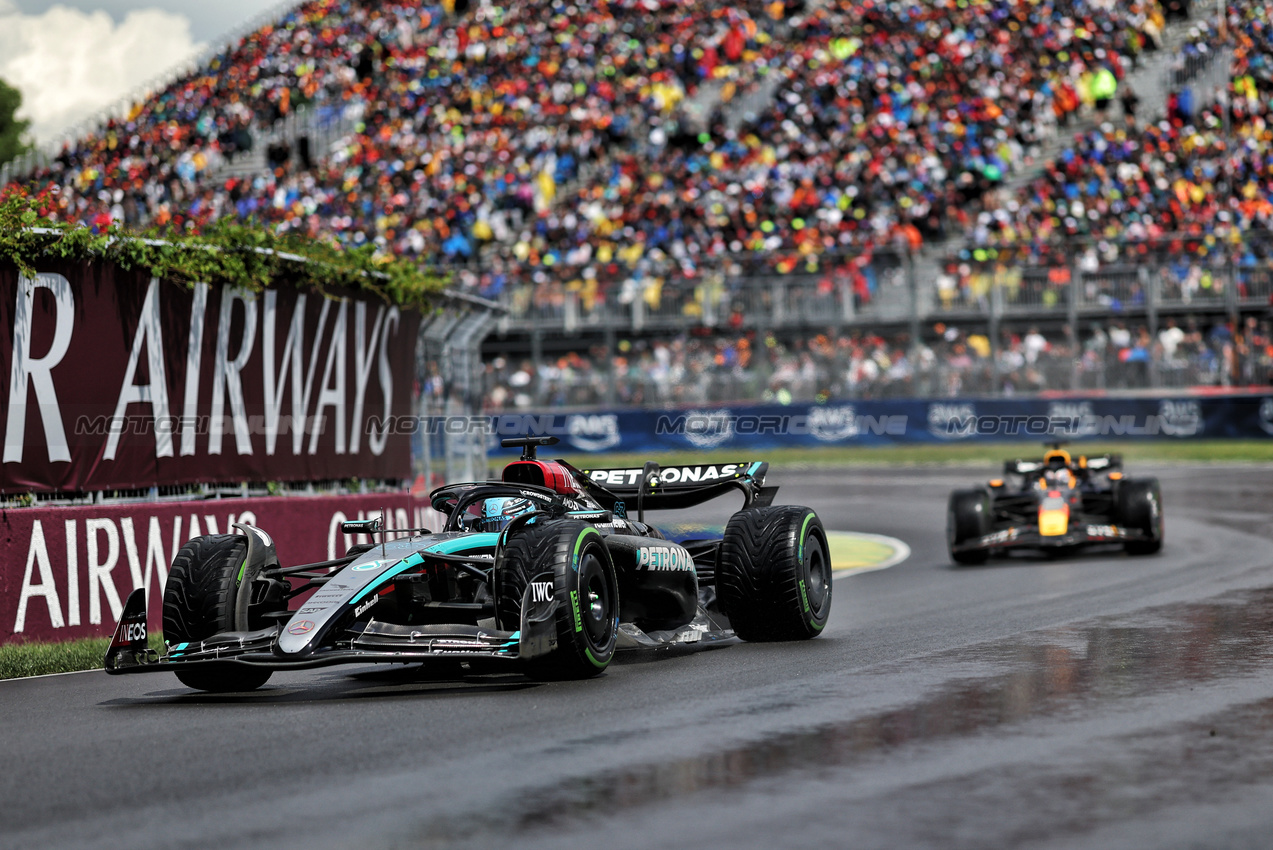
(1188,172)
(947,363)
(537,136)
(544,148)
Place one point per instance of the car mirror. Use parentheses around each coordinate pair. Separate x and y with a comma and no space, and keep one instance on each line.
(362,526)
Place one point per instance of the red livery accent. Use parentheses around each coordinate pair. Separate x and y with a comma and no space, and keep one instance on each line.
(542,473)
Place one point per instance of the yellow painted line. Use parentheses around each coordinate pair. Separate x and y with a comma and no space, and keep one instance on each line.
(853,552)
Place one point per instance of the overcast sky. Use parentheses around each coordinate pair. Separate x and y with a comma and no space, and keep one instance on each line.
(74,57)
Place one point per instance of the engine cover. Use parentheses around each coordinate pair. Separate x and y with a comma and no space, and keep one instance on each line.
(658,585)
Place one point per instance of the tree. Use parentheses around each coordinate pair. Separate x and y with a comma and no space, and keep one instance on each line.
(12,128)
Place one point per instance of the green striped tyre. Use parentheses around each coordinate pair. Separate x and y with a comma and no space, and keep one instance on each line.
(773,578)
(584,586)
(199,602)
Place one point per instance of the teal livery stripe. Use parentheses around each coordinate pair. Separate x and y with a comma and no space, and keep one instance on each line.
(480,540)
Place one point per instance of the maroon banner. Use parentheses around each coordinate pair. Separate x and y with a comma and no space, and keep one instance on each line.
(117,380)
(65,572)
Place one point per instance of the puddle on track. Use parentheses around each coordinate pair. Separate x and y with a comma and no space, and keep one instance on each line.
(1073,672)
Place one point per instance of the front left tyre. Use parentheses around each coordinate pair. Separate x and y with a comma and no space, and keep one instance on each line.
(199,602)
(585,588)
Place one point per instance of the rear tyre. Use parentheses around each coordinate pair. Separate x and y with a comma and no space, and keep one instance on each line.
(199,603)
(773,579)
(968,517)
(585,588)
(1140,508)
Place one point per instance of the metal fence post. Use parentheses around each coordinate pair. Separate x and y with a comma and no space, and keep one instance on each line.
(912,283)
(1231,289)
(1072,322)
(1151,281)
(572,312)
(847,307)
(996,312)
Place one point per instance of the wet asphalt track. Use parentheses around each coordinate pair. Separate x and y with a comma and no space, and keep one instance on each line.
(1102,701)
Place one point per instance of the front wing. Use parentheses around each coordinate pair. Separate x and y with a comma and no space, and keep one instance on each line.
(379,643)
(1028,537)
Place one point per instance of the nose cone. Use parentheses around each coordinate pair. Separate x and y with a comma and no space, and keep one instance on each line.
(1054,515)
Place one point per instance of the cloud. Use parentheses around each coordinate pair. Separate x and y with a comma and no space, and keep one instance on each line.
(70,64)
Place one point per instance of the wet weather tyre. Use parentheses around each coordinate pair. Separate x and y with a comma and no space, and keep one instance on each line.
(773,578)
(1140,508)
(585,588)
(968,517)
(199,603)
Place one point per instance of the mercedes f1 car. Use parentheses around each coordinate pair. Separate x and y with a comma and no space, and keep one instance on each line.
(543,571)
(1056,504)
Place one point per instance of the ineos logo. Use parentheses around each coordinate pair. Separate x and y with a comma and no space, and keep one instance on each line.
(134,632)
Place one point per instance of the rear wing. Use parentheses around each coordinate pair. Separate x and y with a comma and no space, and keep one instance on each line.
(1095,463)
(678,486)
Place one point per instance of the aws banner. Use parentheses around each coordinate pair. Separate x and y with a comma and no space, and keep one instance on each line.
(846,423)
(65,572)
(117,380)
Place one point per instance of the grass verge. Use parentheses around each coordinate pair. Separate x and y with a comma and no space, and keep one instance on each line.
(962,454)
(38,659)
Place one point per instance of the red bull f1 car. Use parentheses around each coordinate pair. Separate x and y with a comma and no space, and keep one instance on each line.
(545,571)
(1056,504)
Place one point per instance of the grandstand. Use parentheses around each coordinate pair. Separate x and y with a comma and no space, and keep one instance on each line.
(679,203)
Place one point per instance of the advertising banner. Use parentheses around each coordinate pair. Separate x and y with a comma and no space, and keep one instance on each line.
(117,380)
(865,423)
(65,572)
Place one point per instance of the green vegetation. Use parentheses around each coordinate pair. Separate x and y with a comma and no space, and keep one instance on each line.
(251,256)
(960,454)
(12,128)
(38,659)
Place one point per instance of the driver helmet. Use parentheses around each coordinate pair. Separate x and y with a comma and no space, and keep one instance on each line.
(496,512)
(1057,478)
